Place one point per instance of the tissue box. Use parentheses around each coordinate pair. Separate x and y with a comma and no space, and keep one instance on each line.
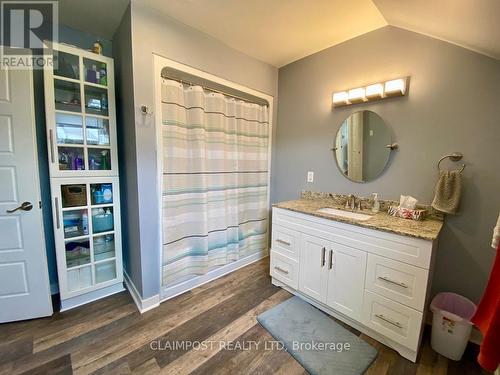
(406,213)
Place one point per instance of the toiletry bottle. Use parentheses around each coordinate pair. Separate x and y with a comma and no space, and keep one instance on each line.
(104,102)
(85,223)
(104,160)
(91,74)
(104,79)
(78,163)
(376,203)
(97,74)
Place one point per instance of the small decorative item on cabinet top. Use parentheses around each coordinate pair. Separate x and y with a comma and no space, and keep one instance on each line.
(97,47)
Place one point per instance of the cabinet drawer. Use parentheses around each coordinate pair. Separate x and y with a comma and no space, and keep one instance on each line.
(398,281)
(393,320)
(286,241)
(285,269)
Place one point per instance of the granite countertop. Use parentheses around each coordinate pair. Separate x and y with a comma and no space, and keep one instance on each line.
(427,229)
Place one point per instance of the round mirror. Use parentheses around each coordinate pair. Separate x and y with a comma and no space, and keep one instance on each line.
(362,146)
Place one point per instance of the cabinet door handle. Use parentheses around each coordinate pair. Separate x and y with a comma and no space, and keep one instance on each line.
(390,321)
(387,280)
(56,204)
(281,270)
(323,256)
(283,242)
(51,143)
(330,260)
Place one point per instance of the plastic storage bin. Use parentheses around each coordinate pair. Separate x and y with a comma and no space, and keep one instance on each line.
(102,221)
(451,325)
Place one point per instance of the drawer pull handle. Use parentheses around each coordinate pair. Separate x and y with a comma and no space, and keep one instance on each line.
(387,280)
(323,256)
(390,321)
(281,270)
(283,242)
(330,260)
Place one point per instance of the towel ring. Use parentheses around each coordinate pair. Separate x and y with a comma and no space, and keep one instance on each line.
(456,156)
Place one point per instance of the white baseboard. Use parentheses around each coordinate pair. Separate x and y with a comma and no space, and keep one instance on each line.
(175,290)
(71,303)
(143,305)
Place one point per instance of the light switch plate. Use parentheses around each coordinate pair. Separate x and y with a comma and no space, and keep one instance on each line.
(310,176)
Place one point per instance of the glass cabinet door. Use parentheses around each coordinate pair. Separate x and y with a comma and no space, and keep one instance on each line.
(81,134)
(89,232)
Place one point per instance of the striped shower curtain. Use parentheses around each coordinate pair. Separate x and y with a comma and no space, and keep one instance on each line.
(215,180)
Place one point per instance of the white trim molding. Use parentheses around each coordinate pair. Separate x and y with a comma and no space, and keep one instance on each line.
(83,299)
(143,305)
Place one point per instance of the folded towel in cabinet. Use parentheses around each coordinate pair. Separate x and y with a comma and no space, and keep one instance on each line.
(448,191)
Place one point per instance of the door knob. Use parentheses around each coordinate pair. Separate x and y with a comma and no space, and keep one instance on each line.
(25,206)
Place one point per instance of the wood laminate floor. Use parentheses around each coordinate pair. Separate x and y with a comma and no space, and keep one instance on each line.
(110,336)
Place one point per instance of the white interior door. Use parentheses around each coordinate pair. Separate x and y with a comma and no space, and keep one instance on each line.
(24,282)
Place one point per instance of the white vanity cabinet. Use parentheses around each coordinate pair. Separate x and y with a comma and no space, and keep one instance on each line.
(373,280)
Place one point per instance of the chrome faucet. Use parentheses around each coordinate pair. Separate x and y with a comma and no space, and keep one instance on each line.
(351,202)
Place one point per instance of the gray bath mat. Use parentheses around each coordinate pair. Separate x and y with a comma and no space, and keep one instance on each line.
(320,344)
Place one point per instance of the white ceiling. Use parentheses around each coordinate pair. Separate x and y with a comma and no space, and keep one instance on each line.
(473,24)
(281,31)
(276,31)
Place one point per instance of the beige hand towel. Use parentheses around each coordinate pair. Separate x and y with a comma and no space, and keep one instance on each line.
(448,191)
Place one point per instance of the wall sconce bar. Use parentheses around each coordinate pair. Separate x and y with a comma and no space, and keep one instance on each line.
(376,91)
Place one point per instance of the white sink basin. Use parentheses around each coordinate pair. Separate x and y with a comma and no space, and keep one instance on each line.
(342,213)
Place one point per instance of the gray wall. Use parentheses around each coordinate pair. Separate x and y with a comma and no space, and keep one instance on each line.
(155,33)
(122,53)
(452,106)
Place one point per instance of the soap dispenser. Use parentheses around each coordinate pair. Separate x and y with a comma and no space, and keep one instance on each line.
(376,203)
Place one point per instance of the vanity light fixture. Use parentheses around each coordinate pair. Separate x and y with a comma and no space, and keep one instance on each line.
(375,91)
(395,87)
(357,95)
(340,98)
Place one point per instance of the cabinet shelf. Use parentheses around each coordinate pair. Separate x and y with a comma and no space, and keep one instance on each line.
(96,85)
(103,233)
(62,78)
